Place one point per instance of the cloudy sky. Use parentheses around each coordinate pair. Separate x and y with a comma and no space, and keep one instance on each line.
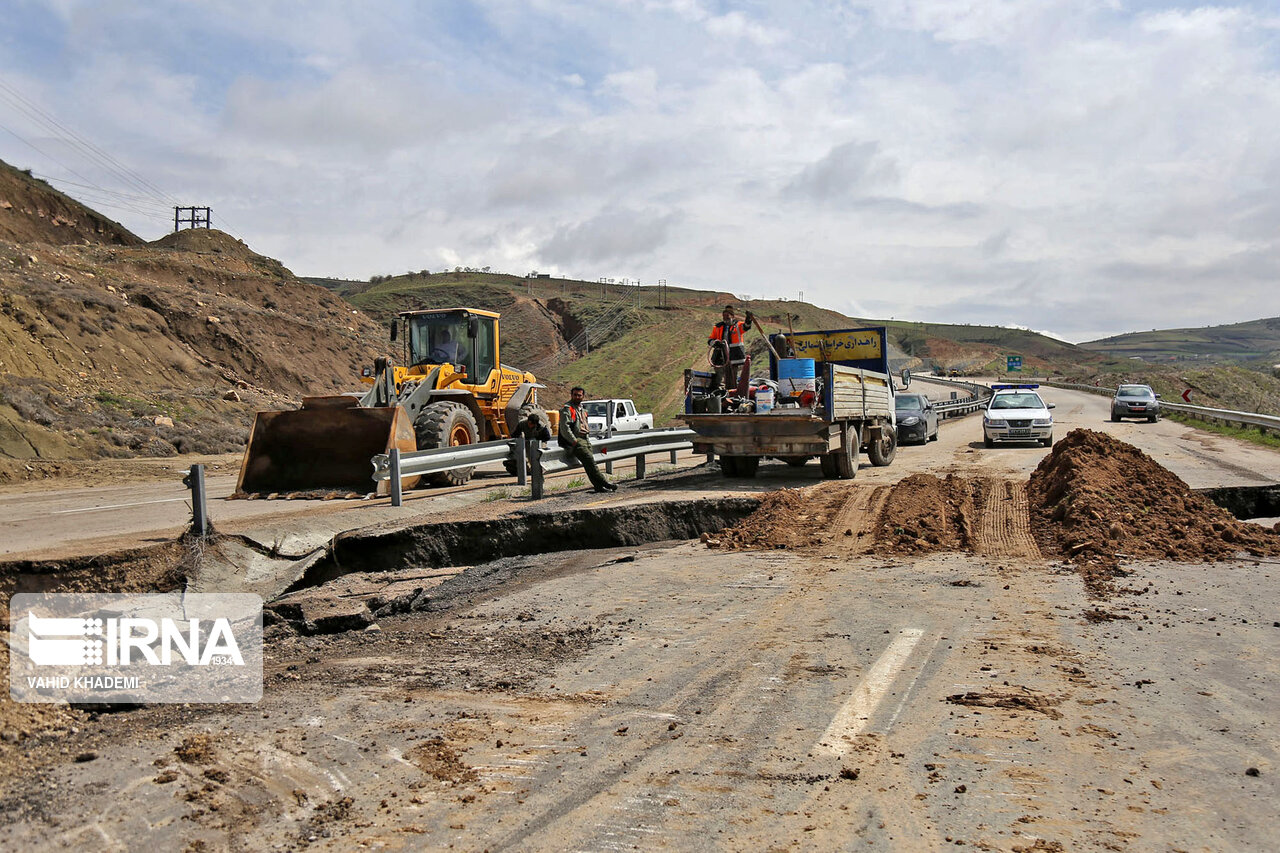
(1075,166)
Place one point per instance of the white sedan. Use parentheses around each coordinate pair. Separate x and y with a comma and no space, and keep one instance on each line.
(1017,413)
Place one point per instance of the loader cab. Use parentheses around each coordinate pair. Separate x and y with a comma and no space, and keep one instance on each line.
(465,338)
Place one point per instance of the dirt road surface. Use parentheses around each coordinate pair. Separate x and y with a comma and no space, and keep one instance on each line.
(853,690)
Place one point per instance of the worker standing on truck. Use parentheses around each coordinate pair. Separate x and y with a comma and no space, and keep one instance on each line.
(731,331)
(572,437)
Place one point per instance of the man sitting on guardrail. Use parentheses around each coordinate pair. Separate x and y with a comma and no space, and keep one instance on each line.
(573,438)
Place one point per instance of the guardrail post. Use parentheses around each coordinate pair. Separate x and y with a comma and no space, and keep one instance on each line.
(640,467)
(674,461)
(397,496)
(535,458)
(711,457)
(199,512)
(608,466)
(522,461)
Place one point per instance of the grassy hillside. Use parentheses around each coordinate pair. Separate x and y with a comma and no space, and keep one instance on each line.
(982,350)
(1255,343)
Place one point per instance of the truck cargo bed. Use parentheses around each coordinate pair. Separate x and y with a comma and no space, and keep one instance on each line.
(778,433)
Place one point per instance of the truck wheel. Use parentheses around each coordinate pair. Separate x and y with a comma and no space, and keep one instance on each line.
(827,462)
(445,424)
(881,452)
(842,464)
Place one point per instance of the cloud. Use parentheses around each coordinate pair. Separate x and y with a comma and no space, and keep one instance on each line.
(846,172)
(612,236)
(1048,163)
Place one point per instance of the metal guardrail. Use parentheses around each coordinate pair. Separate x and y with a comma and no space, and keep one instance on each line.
(393,466)
(954,408)
(1224,416)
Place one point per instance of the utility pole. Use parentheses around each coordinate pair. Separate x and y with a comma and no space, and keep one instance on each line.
(195,217)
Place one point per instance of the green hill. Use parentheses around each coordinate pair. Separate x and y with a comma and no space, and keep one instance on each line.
(1255,343)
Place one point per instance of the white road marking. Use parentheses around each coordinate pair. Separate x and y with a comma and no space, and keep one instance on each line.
(119,506)
(854,715)
(906,694)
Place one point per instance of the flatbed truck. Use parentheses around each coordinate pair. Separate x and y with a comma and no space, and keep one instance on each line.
(850,409)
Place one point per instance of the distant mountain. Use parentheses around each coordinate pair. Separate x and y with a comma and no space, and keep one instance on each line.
(1255,343)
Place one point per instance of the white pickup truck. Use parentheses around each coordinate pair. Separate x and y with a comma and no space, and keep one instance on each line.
(610,417)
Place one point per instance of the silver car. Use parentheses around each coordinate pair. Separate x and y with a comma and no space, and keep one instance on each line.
(1135,401)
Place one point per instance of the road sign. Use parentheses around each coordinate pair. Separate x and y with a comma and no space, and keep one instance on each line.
(1186,396)
(1014,363)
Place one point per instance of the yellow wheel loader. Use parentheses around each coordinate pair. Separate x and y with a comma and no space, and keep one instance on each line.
(453,391)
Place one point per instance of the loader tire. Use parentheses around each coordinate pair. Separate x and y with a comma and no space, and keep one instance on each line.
(445,424)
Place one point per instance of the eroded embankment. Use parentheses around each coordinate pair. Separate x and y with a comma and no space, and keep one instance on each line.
(466,543)
(157,568)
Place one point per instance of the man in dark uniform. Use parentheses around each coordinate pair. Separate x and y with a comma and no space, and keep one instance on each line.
(532,427)
(572,437)
(732,331)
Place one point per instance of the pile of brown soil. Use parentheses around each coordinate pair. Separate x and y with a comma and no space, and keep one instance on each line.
(787,518)
(1095,498)
(925,514)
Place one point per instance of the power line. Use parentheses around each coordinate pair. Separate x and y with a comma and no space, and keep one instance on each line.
(87,148)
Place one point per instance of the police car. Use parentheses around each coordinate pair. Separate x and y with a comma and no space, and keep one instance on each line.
(1017,413)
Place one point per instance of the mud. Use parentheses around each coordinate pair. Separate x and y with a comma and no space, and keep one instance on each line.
(926,514)
(1010,698)
(919,515)
(1099,501)
(787,519)
(1094,500)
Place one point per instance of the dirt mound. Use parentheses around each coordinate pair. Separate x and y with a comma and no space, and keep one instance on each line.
(787,518)
(31,211)
(927,514)
(205,240)
(1096,498)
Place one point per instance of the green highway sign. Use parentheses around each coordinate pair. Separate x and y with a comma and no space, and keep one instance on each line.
(1014,363)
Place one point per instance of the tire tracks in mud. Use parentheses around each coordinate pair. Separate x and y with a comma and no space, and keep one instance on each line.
(1004,523)
(662,784)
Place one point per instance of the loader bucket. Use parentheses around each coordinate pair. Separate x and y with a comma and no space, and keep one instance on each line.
(327,445)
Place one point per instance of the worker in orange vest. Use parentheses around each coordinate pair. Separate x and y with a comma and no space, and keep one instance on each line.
(731,331)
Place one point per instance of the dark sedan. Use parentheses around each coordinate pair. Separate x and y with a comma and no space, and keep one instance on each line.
(1135,401)
(917,419)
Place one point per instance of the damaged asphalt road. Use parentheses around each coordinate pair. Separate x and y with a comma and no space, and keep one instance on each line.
(680,696)
(877,665)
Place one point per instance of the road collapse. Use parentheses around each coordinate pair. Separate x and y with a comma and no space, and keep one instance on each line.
(1094,500)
